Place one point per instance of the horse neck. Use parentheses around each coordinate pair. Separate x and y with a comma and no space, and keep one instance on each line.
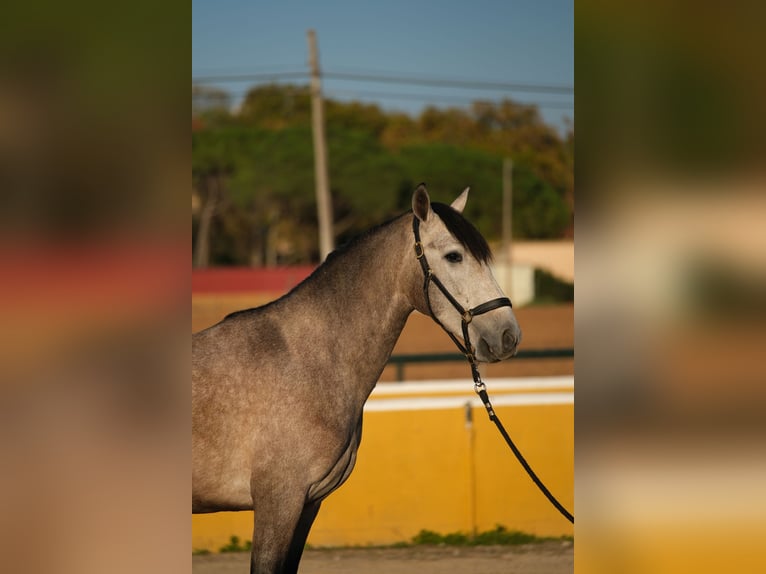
(359,301)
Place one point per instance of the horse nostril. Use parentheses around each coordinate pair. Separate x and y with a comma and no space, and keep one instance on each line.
(509,341)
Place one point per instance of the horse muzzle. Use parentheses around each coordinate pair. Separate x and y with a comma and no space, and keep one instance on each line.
(492,349)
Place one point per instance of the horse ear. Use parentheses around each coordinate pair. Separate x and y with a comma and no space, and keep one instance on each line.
(459,204)
(421,203)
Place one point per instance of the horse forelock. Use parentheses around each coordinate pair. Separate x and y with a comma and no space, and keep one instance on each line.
(464,231)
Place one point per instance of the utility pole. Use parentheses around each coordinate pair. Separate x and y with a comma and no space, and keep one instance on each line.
(324,201)
(507,207)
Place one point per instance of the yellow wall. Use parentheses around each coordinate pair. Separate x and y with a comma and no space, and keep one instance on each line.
(422,466)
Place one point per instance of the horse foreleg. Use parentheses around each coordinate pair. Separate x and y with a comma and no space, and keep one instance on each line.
(279,533)
(301,534)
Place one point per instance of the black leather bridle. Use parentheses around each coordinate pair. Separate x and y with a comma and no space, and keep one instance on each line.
(466,315)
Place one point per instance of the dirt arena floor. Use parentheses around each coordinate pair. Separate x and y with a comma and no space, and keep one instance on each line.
(544,558)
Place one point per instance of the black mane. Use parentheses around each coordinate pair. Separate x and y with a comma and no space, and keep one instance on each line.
(464,231)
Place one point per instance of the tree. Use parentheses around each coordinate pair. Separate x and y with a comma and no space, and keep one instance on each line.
(539,211)
(253,171)
(212,165)
(210,105)
(276,107)
(274,186)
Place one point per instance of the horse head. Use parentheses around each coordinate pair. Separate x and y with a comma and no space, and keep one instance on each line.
(459,290)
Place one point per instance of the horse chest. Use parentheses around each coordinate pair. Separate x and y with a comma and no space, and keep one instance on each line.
(339,470)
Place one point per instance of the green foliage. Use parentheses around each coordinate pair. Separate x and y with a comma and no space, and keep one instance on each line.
(235,546)
(498,536)
(448,169)
(360,200)
(276,106)
(213,152)
(539,212)
(427,537)
(505,537)
(355,116)
(550,289)
(211,104)
(257,166)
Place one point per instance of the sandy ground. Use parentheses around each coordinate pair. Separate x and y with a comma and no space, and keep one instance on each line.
(545,558)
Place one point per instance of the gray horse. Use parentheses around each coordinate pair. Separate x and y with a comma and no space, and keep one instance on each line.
(278,391)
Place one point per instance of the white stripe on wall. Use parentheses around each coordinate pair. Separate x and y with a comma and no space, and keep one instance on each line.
(440,403)
(457,386)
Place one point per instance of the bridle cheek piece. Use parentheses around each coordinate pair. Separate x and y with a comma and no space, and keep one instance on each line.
(466,315)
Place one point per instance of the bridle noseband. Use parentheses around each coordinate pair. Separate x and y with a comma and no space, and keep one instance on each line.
(466,315)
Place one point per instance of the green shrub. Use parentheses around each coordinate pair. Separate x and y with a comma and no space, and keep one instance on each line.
(234,545)
(550,289)
(499,536)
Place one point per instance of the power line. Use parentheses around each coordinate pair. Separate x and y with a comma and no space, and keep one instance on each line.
(391,79)
(250,69)
(265,77)
(450,83)
(424,97)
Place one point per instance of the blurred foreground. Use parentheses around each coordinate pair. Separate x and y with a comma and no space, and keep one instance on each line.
(671,288)
(94,258)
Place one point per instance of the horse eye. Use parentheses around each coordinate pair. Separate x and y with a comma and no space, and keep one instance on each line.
(453,257)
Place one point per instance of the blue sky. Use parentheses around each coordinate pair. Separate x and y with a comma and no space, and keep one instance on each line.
(501,41)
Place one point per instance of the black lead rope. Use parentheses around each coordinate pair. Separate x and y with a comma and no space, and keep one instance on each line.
(481,390)
(467,349)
